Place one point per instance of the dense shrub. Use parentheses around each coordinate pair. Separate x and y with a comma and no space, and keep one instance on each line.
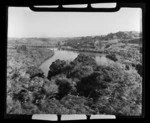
(34,71)
(22,96)
(58,67)
(81,66)
(50,88)
(65,86)
(112,57)
(139,69)
(85,60)
(77,87)
(79,71)
(77,104)
(90,86)
(22,49)
(13,107)
(117,86)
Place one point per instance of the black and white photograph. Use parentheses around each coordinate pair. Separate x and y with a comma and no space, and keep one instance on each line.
(74,62)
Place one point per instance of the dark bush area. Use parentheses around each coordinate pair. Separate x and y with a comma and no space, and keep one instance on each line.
(112,57)
(108,87)
(139,69)
(57,67)
(34,71)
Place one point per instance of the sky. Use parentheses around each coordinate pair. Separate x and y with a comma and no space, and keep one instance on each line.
(23,22)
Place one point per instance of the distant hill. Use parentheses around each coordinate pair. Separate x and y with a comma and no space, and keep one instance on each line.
(123,35)
(35,41)
(91,41)
(118,36)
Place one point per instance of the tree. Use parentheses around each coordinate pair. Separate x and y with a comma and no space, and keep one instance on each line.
(79,71)
(77,104)
(13,107)
(124,92)
(91,86)
(21,49)
(58,67)
(65,86)
(85,60)
(34,71)
(50,88)
(112,57)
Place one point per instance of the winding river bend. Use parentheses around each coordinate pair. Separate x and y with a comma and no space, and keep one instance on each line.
(70,55)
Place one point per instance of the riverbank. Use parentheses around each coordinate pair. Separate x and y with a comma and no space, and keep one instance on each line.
(51,55)
(83,50)
(24,57)
(127,52)
(41,55)
(23,74)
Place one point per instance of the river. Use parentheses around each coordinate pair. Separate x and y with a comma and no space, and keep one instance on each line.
(70,55)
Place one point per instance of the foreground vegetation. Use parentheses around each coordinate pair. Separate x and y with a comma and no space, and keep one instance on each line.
(22,64)
(80,86)
(77,87)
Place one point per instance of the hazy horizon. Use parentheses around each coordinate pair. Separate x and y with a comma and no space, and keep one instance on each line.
(24,23)
(77,36)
